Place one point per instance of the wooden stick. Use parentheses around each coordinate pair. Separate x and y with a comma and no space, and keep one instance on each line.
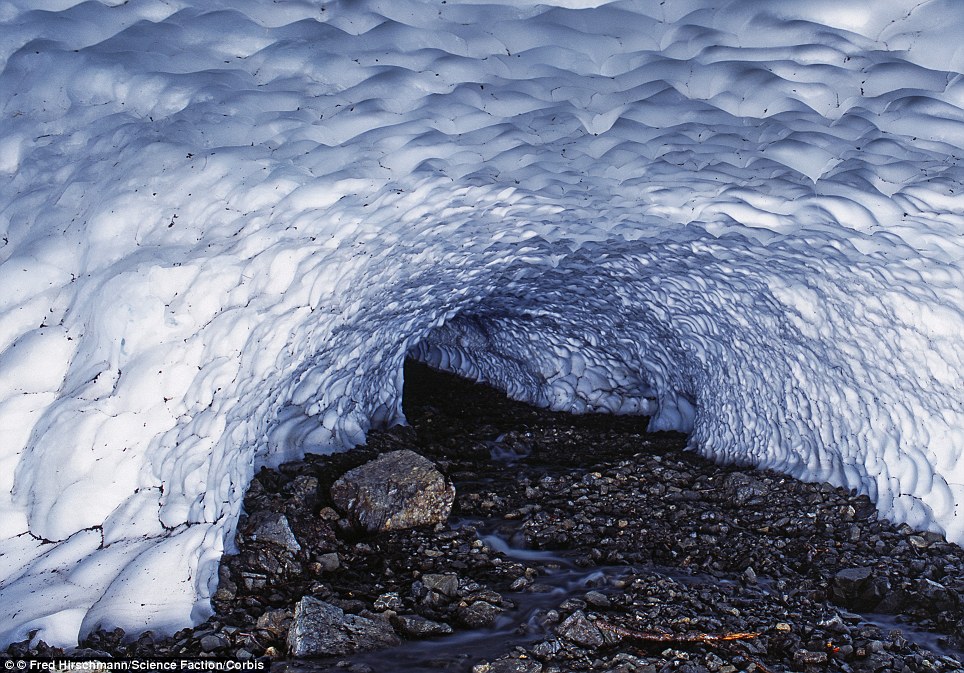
(664,637)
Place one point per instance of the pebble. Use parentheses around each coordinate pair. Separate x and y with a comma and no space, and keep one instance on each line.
(212,643)
(478,614)
(580,630)
(597,599)
(272,528)
(416,626)
(328,562)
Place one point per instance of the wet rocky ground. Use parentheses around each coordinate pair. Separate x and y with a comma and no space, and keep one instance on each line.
(576,543)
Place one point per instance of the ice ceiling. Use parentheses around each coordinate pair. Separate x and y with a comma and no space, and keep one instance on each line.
(224,224)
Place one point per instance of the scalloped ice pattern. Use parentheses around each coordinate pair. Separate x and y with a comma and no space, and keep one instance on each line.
(224,224)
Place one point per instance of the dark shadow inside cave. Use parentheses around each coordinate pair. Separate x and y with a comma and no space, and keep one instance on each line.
(441,406)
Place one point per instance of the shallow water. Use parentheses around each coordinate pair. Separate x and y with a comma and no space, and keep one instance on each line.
(927,640)
(508,452)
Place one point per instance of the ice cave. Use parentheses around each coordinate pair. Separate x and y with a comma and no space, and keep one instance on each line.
(225,223)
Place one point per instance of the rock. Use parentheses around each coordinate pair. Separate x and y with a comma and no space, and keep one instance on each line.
(580,630)
(272,528)
(546,649)
(572,604)
(391,600)
(809,658)
(848,584)
(277,622)
(713,662)
(878,662)
(354,605)
(849,577)
(317,535)
(436,589)
(446,584)
(520,583)
(478,614)
(227,590)
(329,562)
(938,596)
(397,490)
(416,626)
(266,561)
(328,514)
(858,589)
(487,595)
(88,653)
(509,666)
(743,488)
(304,490)
(955,640)
(892,602)
(597,599)
(213,642)
(320,629)
(918,542)
(254,581)
(795,537)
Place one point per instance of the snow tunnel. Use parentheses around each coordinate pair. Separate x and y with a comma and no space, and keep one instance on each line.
(225,224)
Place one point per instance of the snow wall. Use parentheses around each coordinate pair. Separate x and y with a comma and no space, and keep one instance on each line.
(224,224)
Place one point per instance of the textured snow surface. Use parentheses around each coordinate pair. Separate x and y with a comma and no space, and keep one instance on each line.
(223,225)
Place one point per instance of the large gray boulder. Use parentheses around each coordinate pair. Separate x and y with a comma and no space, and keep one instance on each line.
(321,629)
(397,490)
